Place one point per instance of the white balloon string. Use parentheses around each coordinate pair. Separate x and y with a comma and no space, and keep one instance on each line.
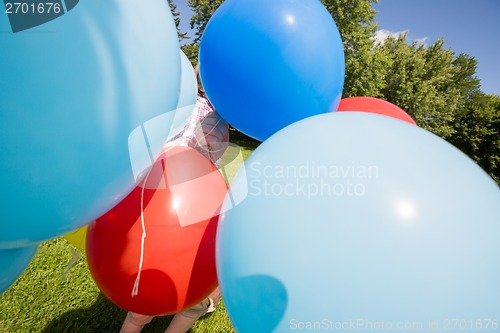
(135,289)
(74,259)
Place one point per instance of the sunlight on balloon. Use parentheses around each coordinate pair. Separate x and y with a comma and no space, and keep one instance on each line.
(175,204)
(406,210)
(290,19)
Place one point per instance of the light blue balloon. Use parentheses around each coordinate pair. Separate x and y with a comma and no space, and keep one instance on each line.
(86,102)
(266,64)
(350,221)
(187,97)
(13,262)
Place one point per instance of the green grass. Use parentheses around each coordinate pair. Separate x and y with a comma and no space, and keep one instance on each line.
(49,298)
(53,297)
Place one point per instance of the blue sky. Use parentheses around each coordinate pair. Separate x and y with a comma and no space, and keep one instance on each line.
(467,26)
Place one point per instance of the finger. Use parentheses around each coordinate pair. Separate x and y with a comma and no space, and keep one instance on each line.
(212,140)
(210,122)
(217,131)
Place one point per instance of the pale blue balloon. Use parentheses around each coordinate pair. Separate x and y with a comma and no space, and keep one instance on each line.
(350,221)
(187,97)
(13,262)
(86,102)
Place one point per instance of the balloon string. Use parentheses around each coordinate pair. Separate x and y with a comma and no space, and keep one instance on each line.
(135,289)
(74,259)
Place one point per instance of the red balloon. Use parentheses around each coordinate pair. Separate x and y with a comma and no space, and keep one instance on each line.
(176,208)
(374,105)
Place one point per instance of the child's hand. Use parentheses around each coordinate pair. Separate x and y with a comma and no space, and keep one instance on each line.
(216,131)
(212,135)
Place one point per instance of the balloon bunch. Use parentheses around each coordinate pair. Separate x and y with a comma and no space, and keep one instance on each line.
(339,218)
(87,101)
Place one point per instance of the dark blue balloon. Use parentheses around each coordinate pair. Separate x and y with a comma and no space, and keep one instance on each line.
(85,103)
(266,64)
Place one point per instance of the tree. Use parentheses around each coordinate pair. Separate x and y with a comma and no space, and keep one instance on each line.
(442,93)
(354,19)
(203,11)
(177,20)
(431,84)
(436,87)
(191,51)
(478,132)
